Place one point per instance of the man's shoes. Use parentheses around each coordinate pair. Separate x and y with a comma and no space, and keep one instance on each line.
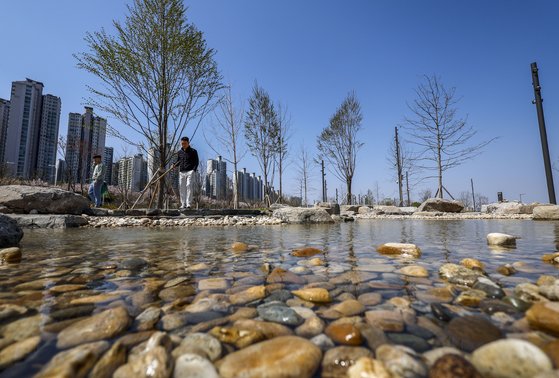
(182,208)
(188,208)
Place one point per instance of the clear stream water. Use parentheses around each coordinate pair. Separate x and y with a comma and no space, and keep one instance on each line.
(347,246)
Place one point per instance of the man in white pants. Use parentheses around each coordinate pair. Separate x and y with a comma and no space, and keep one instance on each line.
(187,162)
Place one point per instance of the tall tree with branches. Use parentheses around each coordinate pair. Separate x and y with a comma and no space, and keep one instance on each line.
(283,129)
(226,134)
(261,132)
(305,165)
(338,143)
(156,75)
(408,173)
(444,139)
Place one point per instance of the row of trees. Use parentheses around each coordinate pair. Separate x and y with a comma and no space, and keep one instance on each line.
(157,76)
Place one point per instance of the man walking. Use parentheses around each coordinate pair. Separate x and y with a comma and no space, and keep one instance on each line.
(187,161)
(98,178)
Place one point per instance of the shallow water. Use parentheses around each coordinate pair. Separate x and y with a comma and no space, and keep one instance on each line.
(171,251)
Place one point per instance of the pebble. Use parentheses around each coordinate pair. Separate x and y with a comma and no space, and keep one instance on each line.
(202,344)
(279,275)
(279,314)
(147,319)
(544,316)
(18,351)
(75,362)
(470,298)
(459,275)
(110,361)
(430,357)
(401,361)
(134,263)
(284,356)
(23,328)
(489,287)
(194,366)
(312,326)
(453,366)
(404,249)
(268,329)
(316,295)
(350,307)
(306,252)
(104,325)
(499,239)
(366,367)
(154,360)
(323,342)
(176,292)
(345,334)
(473,264)
(413,271)
(10,255)
(370,299)
(337,361)
(472,331)
(219,284)
(511,358)
(435,295)
(94,299)
(388,321)
(506,270)
(249,295)
(8,311)
(411,341)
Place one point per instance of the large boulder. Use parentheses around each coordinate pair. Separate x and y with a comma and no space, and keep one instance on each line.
(510,208)
(547,212)
(331,207)
(303,215)
(441,205)
(10,232)
(349,209)
(391,210)
(22,199)
(49,220)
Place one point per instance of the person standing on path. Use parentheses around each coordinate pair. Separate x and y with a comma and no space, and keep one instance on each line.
(187,162)
(98,178)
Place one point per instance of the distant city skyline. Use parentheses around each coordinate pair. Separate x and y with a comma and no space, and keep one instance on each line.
(310,54)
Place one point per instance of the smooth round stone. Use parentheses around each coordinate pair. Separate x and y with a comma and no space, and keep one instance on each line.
(176,292)
(304,312)
(249,295)
(517,303)
(104,325)
(279,295)
(194,366)
(18,351)
(500,239)
(411,341)
(470,298)
(491,306)
(435,295)
(134,263)
(473,264)
(281,357)
(23,328)
(8,311)
(175,281)
(338,360)
(552,350)
(366,367)
(312,326)
(94,299)
(279,275)
(471,331)
(506,270)
(413,271)
(268,329)
(280,314)
(544,316)
(389,321)
(489,287)
(110,361)
(370,299)
(306,252)
(401,361)
(147,319)
(460,275)
(345,334)
(511,358)
(75,362)
(10,255)
(173,321)
(405,249)
(239,247)
(66,288)
(316,295)
(346,308)
(453,366)
(151,360)
(430,357)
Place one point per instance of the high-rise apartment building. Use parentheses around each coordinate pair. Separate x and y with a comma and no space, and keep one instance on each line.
(22,138)
(216,179)
(132,173)
(250,186)
(48,138)
(4,114)
(86,138)
(108,163)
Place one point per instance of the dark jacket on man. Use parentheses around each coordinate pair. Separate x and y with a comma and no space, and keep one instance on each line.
(187,159)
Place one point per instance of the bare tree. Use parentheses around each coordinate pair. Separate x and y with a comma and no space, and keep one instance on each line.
(305,166)
(480,201)
(283,130)
(261,131)
(225,136)
(157,74)
(338,143)
(63,145)
(425,194)
(443,139)
(406,173)
(466,199)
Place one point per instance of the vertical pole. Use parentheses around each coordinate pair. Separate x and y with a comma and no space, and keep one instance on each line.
(323,182)
(336,195)
(473,194)
(408,188)
(543,133)
(399,166)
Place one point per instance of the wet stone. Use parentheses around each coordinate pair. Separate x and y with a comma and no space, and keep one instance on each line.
(345,334)
(491,306)
(134,263)
(8,311)
(280,314)
(202,344)
(389,321)
(75,362)
(306,252)
(470,332)
(366,367)
(312,326)
(544,316)
(370,299)
(18,351)
(401,361)
(489,287)
(453,366)
(316,295)
(338,360)
(110,361)
(194,366)
(176,292)
(411,341)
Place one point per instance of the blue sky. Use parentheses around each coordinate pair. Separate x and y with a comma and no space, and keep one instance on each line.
(310,54)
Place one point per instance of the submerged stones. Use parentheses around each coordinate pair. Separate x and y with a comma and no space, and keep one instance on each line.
(316,295)
(103,325)
(470,332)
(284,356)
(544,316)
(306,252)
(459,275)
(10,255)
(404,249)
(451,366)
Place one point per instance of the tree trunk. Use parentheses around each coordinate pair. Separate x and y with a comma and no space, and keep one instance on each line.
(160,171)
(440,171)
(235,186)
(349,191)
(280,181)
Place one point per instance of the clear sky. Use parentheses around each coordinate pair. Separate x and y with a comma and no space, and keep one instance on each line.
(309,54)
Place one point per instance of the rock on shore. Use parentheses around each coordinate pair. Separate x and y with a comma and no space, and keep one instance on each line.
(10,232)
(22,199)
